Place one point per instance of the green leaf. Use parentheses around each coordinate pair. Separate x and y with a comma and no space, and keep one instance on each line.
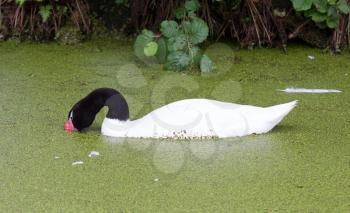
(192,15)
(177,43)
(170,44)
(343,6)
(141,42)
(321,6)
(199,31)
(147,33)
(162,51)
(178,60)
(180,13)
(180,42)
(169,28)
(206,64)
(318,17)
(332,2)
(45,12)
(332,12)
(195,55)
(186,27)
(309,13)
(192,5)
(150,49)
(301,5)
(332,22)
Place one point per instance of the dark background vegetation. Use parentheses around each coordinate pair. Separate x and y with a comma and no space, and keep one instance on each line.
(249,22)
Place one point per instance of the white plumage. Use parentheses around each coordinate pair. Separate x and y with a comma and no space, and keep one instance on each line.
(197,118)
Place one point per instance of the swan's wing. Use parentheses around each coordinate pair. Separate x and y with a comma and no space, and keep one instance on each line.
(198,117)
(227,123)
(175,117)
(166,121)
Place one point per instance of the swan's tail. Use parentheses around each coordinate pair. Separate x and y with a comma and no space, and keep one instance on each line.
(278,112)
(262,119)
(283,108)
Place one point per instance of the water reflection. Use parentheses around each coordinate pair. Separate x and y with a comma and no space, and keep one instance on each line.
(170,157)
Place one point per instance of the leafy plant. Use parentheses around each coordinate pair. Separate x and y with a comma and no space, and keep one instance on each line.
(45,12)
(20,2)
(177,46)
(325,13)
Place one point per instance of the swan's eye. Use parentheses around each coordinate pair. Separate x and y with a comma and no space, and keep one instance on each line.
(70,116)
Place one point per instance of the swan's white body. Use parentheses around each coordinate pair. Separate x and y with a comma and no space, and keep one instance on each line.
(197,118)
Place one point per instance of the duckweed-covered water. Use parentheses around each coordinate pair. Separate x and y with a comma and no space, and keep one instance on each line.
(303,165)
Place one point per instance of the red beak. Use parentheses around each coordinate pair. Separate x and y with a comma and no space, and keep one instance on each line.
(68,126)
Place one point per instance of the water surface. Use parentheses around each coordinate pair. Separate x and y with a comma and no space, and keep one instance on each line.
(303,165)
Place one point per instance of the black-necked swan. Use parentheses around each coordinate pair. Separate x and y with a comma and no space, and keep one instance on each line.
(189,118)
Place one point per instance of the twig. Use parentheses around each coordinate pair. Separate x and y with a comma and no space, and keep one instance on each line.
(87,28)
(262,23)
(298,30)
(256,26)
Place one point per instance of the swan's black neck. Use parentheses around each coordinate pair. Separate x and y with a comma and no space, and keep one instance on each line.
(117,107)
(83,113)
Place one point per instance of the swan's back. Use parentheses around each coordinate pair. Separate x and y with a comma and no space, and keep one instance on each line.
(200,105)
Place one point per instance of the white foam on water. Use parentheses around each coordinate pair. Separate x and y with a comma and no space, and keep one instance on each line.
(304,90)
(79,162)
(94,154)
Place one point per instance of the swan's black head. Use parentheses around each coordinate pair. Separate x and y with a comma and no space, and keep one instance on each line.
(84,111)
(80,116)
